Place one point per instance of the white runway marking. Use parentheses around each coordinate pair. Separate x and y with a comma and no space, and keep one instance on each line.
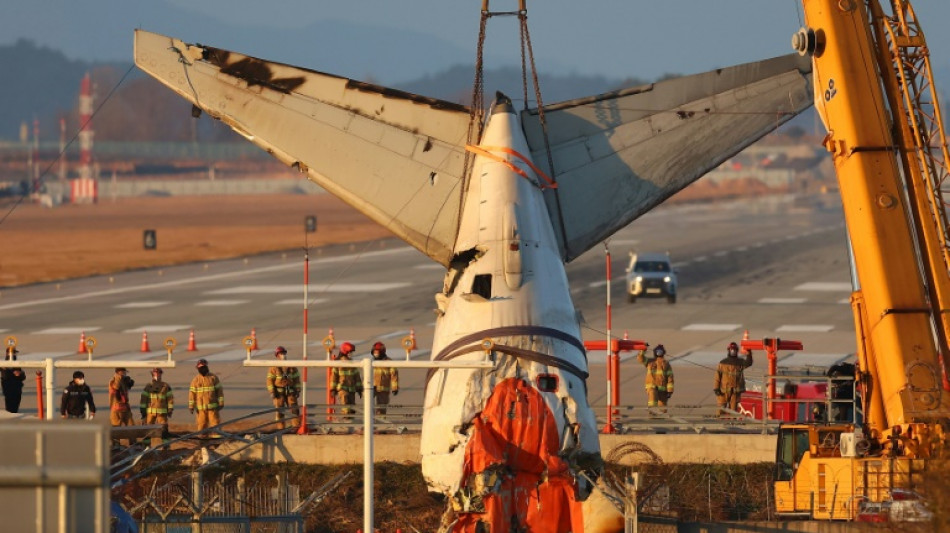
(800,359)
(720,253)
(624,242)
(401,333)
(156,329)
(204,278)
(222,303)
(64,331)
(846,301)
(299,302)
(813,328)
(825,286)
(700,259)
(710,359)
(141,305)
(430,266)
(159,356)
(782,300)
(742,249)
(711,327)
(290,289)
(231,355)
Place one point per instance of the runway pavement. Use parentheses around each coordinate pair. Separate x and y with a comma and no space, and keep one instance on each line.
(761,265)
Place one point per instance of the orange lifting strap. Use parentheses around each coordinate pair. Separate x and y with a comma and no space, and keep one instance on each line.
(487,152)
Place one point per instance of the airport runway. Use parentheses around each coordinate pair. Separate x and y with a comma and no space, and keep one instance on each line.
(760,264)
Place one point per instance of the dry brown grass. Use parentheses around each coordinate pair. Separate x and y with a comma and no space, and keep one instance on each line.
(41,244)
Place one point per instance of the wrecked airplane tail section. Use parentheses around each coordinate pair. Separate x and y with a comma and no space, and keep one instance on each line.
(395,156)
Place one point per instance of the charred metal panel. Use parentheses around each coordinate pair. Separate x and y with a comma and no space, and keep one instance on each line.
(395,156)
(618,155)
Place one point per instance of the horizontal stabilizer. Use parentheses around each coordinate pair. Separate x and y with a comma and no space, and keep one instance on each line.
(618,155)
(394,156)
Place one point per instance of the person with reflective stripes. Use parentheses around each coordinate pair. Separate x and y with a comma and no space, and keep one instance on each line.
(346,381)
(120,386)
(659,377)
(157,401)
(385,380)
(283,384)
(205,397)
(730,378)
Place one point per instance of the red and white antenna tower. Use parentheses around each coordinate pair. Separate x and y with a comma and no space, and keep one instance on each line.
(85,133)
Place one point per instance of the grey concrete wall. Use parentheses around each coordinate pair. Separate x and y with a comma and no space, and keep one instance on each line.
(348,449)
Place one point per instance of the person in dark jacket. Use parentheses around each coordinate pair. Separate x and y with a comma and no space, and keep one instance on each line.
(75,398)
(12,381)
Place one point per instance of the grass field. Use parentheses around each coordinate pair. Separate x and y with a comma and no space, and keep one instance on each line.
(39,244)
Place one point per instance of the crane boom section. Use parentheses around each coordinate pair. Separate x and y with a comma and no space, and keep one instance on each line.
(850,100)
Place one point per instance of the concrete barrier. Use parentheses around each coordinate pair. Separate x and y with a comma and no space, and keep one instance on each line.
(348,449)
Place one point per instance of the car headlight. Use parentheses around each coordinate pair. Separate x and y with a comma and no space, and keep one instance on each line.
(638,279)
(666,279)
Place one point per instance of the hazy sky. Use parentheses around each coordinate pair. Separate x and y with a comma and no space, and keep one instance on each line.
(614,38)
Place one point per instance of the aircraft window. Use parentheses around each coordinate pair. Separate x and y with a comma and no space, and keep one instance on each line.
(651,266)
(481,286)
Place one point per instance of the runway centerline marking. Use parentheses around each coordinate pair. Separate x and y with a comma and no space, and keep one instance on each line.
(813,328)
(782,300)
(65,331)
(141,305)
(711,327)
(299,301)
(222,303)
(825,286)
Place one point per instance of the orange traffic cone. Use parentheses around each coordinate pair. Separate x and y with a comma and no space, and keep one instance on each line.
(192,346)
(145,347)
(745,337)
(82,342)
(254,339)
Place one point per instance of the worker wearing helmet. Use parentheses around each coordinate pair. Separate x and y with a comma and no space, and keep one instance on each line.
(76,397)
(205,397)
(730,378)
(385,379)
(120,388)
(659,377)
(283,384)
(346,381)
(157,401)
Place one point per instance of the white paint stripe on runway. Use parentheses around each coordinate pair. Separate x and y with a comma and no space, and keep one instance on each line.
(825,286)
(814,328)
(700,259)
(429,266)
(624,242)
(214,345)
(846,301)
(289,289)
(200,279)
(39,356)
(782,300)
(720,253)
(157,329)
(742,249)
(231,355)
(221,303)
(141,305)
(680,264)
(299,301)
(401,333)
(711,327)
(801,359)
(65,331)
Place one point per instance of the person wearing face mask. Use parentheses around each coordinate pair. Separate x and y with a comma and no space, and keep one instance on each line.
(205,397)
(120,412)
(283,384)
(12,381)
(76,397)
(157,401)
(385,380)
(730,378)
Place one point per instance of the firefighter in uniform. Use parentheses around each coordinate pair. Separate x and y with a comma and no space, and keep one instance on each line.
(205,397)
(659,377)
(385,380)
(347,381)
(157,401)
(283,384)
(120,413)
(12,380)
(730,378)
(75,398)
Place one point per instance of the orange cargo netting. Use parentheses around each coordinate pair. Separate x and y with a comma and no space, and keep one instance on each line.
(487,152)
